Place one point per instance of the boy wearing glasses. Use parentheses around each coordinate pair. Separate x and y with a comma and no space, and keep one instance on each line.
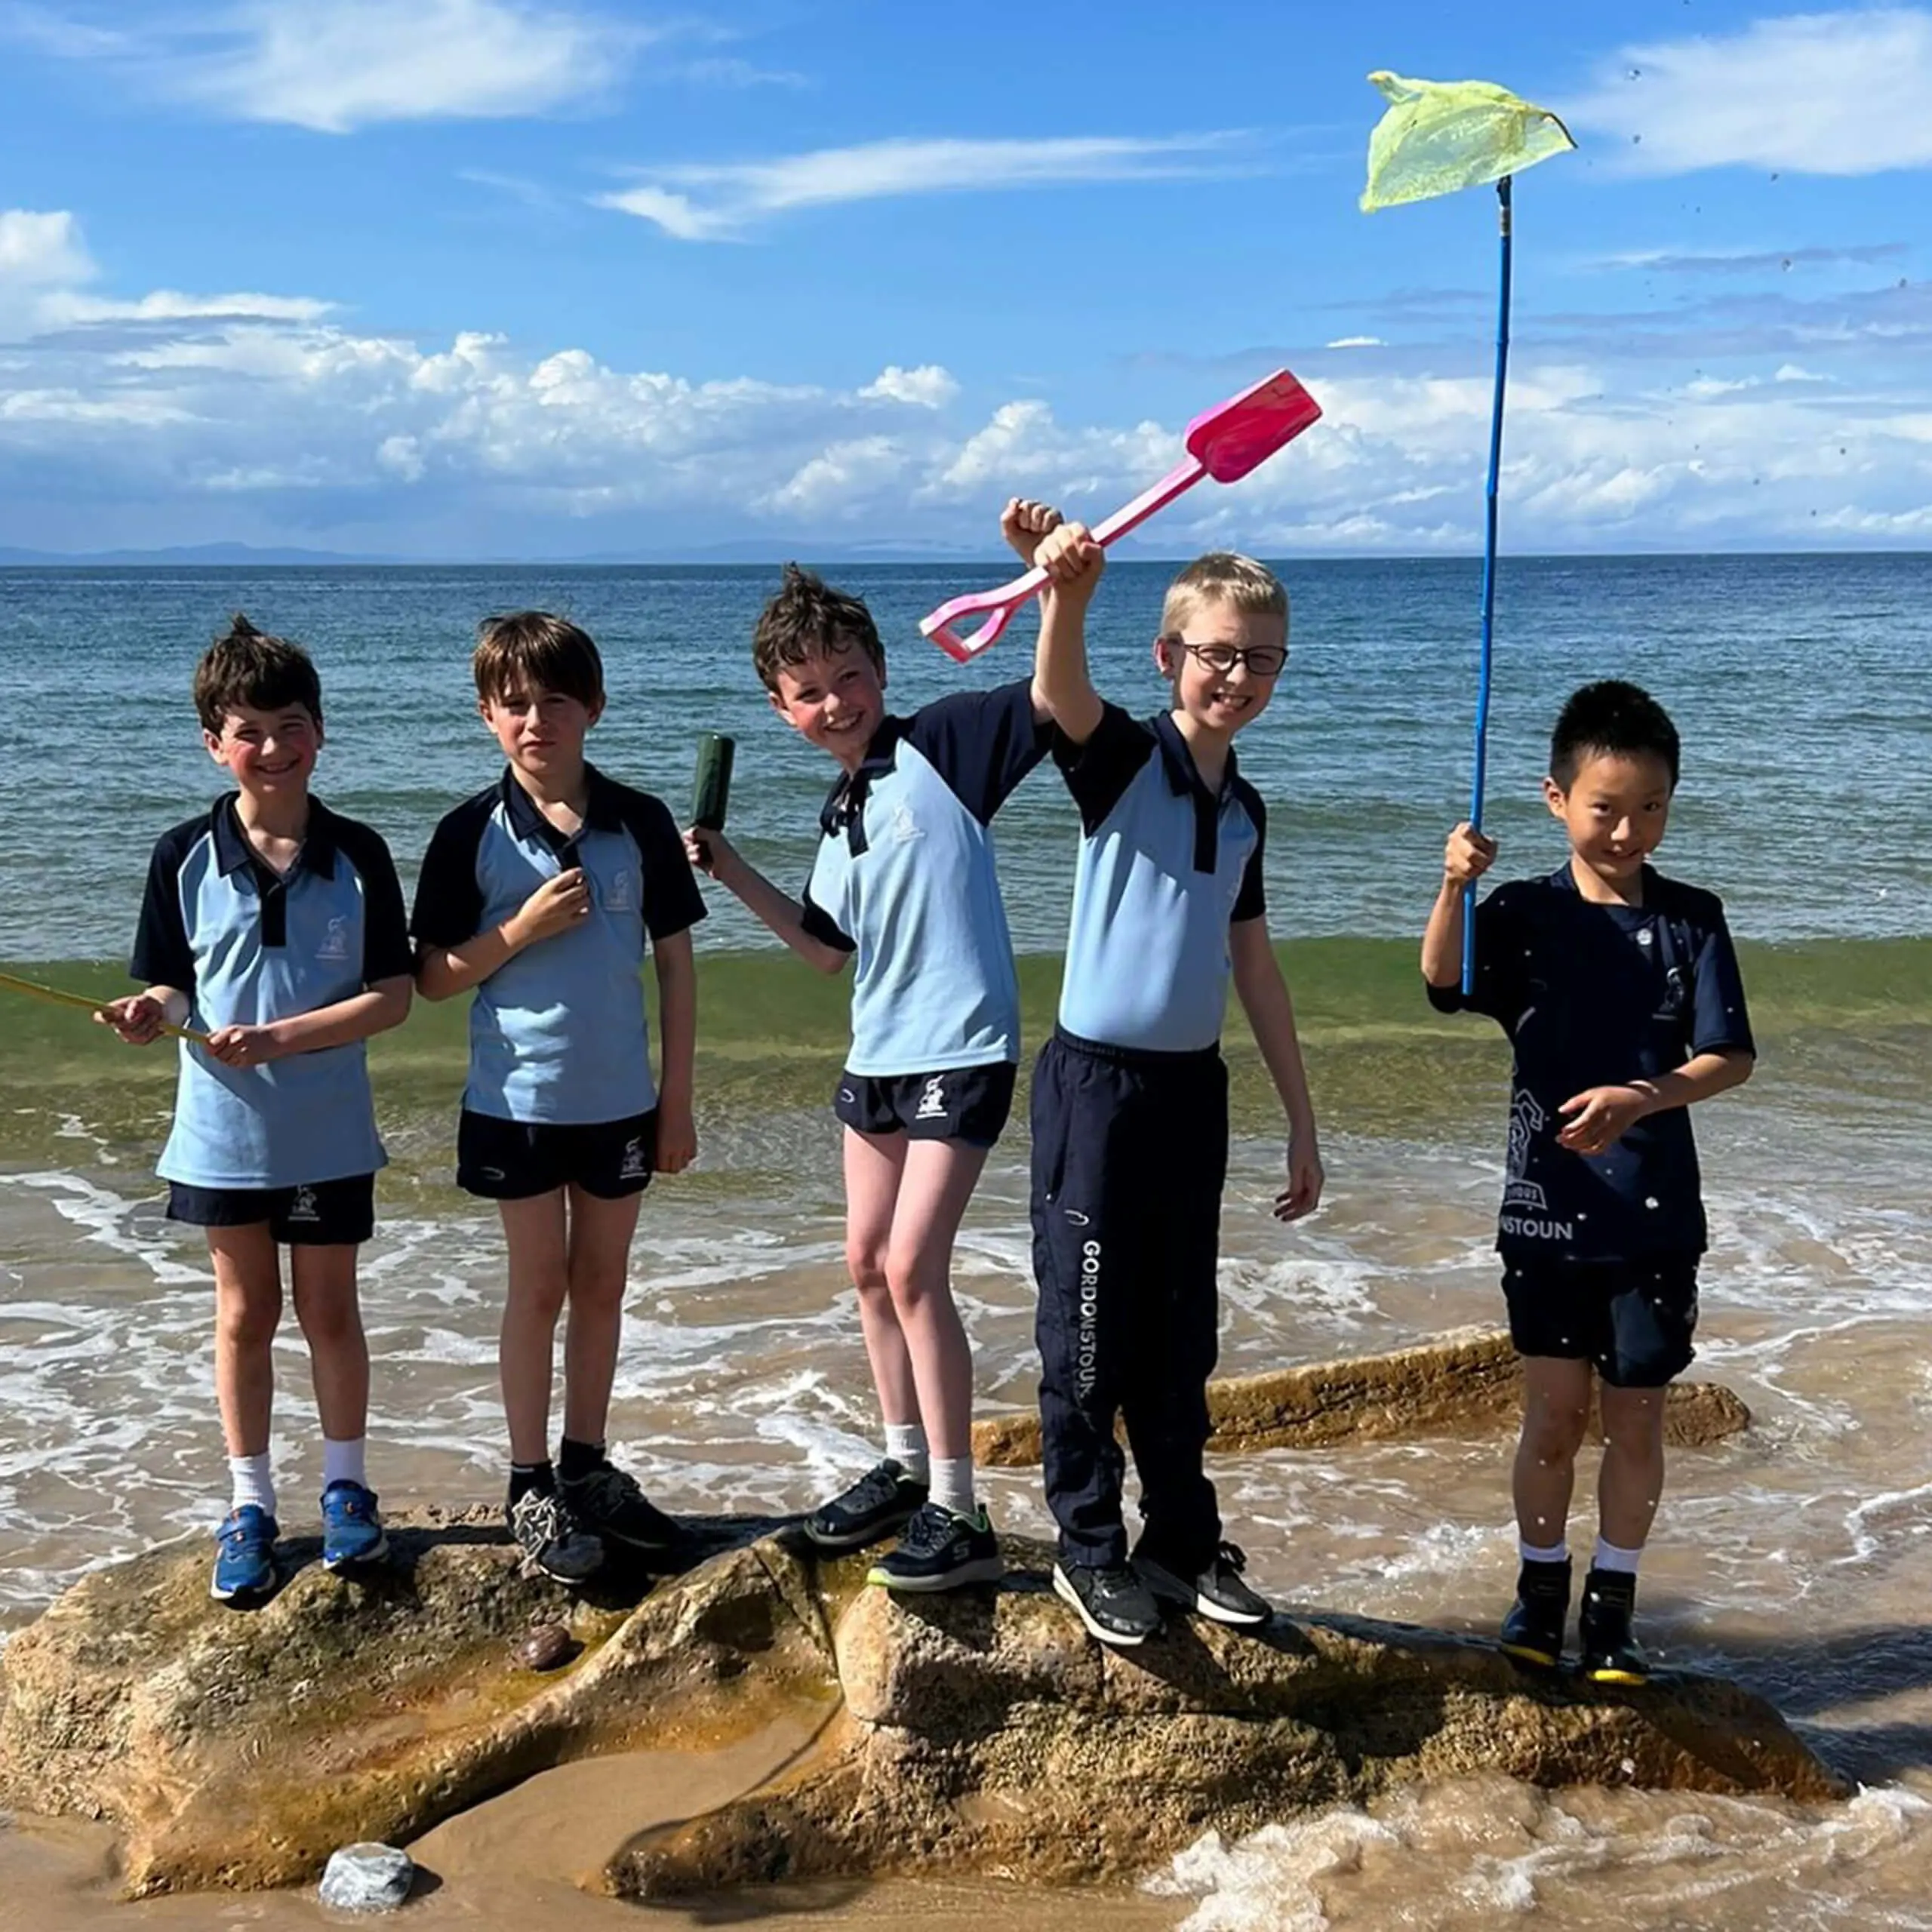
(1130,1105)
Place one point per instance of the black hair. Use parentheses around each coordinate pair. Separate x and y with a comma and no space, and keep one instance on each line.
(1611,719)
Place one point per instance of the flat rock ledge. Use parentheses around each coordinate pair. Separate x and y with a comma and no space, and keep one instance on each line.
(980,1732)
(1466,1382)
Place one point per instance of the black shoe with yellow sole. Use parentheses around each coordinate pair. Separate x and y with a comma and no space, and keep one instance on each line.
(1533,1632)
(1611,1654)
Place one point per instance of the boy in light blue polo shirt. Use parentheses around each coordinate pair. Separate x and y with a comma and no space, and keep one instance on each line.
(276,927)
(543,894)
(903,886)
(1129,1111)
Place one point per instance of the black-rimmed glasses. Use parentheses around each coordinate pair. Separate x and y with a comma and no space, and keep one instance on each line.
(1262,660)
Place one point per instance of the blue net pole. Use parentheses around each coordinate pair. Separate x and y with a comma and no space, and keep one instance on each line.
(1488,585)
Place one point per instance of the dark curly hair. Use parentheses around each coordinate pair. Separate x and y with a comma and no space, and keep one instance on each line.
(806,616)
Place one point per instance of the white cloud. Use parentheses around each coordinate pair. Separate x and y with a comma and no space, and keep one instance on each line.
(271,418)
(708,202)
(42,251)
(927,387)
(1358,342)
(1819,93)
(337,65)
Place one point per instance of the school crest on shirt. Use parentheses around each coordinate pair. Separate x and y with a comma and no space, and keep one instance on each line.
(620,894)
(334,945)
(904,826)
(1526,1120)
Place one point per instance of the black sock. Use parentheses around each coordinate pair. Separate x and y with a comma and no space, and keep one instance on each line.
(575,1460)
(525,1477)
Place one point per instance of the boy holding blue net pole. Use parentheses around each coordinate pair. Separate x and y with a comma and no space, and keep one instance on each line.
(1620,991)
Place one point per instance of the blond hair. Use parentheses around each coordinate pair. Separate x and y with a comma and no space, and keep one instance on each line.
(1223,576)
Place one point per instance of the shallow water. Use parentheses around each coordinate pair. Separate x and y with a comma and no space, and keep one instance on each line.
(1796,1558)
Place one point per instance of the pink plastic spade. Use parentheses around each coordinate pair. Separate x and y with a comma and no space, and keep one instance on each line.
(1225,442)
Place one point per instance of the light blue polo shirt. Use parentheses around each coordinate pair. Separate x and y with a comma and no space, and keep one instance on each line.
(249,946)
(557,1034)
(1165,867)
(904,878)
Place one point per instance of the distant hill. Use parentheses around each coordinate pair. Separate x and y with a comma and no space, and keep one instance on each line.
(250,556)
(191,555)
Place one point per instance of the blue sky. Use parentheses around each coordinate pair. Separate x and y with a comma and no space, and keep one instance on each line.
(535,278)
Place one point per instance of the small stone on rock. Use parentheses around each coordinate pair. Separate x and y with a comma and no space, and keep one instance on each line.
(368,1877)
(543,1647)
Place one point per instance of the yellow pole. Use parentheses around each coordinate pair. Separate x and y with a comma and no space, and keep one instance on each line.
(55,996)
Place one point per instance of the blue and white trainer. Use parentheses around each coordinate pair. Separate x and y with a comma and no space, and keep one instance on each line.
(244,1556)
(351,1530)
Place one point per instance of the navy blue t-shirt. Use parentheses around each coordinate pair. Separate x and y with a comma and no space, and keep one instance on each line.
(1595,995)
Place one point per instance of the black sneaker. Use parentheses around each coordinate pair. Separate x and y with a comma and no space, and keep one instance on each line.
(941,1550)
(552,1540)
(1112,1601)
(1533,1632)
(1611,1654)
(884,1499)
(1216,1591)
(608,1503)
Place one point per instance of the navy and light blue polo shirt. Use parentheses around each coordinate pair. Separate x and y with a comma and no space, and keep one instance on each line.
(557,1034)
(1166,865)
(249,946)
(904,878)
(1596,995)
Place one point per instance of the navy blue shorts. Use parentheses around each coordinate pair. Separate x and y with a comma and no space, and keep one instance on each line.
(323,1213)
(516,1160)
(1632,1321)
(967,1103)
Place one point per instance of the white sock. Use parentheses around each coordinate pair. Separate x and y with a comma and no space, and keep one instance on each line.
(952,1484)
(905,1443)
(1609,1557)
(249,1481)
(1557,1552)
(345,1462)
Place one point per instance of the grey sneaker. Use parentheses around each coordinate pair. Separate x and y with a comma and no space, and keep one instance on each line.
(1216,1591)
(1113,1603)
(552,1540)
(941,1550)
(884,1499)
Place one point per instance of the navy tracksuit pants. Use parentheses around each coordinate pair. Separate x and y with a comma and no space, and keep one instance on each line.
(1130,1156)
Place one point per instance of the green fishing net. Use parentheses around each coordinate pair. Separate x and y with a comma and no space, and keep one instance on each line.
(1438,136)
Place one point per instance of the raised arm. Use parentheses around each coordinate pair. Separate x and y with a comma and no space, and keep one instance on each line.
(715,855)
(1074,563)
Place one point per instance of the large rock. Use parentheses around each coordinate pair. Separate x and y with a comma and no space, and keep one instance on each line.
(1468,1382)
(971,1732)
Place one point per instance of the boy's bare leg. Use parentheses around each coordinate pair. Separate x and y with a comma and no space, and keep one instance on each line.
(326,1306)
(598,1253)
(247,1311)
(1556,1408)
(875,1165)
(534,1232)
(938,1181)
(1632,1478)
